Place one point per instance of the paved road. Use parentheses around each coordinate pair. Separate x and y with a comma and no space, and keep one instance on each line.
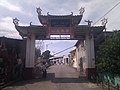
(60,77)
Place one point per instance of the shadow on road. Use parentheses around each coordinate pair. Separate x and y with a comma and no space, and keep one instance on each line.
(53,79)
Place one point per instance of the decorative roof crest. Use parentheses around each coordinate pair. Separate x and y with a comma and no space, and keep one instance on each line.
(89,22)
(71,13)
(82,10)
(30,23)
(104,21)
(48,13)
(39,10)
(15,21)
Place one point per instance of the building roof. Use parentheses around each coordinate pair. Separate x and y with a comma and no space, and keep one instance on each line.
(25,30)
(9,42)
(80,30)
(77,43)
(69,23)
(44,19)
(13,39)
(74,50)
(56,57)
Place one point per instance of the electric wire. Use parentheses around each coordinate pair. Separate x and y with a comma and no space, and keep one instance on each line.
(63,50)
(107,12)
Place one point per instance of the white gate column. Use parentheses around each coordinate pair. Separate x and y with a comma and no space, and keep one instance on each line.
(30,52)
(30,56)
(27,61)
(90,55)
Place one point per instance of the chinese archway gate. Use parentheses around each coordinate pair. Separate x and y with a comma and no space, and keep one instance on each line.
(55,27)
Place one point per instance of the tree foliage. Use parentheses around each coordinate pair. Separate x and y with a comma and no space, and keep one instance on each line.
(108,59)
(37,52)
(46,54)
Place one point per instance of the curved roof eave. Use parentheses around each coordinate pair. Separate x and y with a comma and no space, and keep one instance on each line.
(24,30)
(44,18)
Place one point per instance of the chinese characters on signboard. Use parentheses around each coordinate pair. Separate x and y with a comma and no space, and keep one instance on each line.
(59,30)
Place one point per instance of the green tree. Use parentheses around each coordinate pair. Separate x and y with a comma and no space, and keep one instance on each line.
(46,55)
(37,53)
(108,59)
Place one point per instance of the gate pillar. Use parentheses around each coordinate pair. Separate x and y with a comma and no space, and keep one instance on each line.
(77,58)
(30,55)
(90,56)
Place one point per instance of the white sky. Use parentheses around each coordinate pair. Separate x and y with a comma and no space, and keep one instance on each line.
(25,11)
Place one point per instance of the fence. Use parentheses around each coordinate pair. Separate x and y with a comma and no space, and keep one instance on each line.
(112,81)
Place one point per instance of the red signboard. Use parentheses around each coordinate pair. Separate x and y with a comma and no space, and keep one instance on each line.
(60,30)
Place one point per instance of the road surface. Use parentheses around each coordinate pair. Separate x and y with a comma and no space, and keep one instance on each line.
(60,77)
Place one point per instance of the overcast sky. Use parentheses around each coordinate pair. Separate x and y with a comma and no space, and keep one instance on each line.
(25,11)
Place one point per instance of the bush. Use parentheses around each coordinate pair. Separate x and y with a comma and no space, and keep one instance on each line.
(108,55)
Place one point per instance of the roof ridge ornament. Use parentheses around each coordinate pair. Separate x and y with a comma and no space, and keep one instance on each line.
(48,13)
(15,21)
(89,22)
(104,21)
(30,23)
(82,10)
(39,10)
(71,13)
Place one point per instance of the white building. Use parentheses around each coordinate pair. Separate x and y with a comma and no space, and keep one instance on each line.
(59,60)
(81,56)
(72,59)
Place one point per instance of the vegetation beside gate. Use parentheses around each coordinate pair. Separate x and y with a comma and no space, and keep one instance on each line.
(108,59)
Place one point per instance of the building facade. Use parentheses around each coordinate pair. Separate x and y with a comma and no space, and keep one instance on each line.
(63,60)
(72,59)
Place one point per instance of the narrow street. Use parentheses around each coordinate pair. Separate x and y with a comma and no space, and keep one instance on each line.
(60,77)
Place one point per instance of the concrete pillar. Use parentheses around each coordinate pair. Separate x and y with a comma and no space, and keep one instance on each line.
(30,52)
(77,58)
(90,56)
(27,52)
(30,55)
